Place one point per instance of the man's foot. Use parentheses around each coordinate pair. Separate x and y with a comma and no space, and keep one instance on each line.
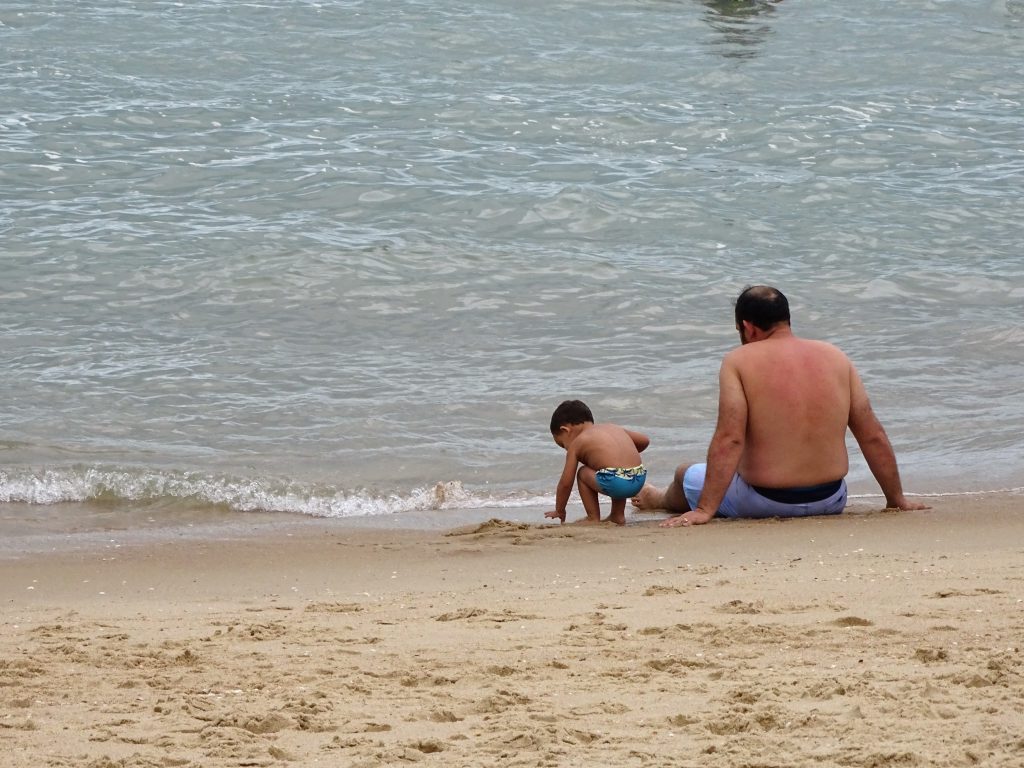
(555,516)
(649,499)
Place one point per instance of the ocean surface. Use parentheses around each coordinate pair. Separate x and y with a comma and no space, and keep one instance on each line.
(343,258)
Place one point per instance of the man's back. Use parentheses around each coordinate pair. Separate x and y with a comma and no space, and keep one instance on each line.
(797,394)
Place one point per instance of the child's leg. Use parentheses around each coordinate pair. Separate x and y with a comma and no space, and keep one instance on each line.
(618,513)
(586,482)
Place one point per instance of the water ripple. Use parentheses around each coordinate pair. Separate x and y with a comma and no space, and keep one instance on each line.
(265,234)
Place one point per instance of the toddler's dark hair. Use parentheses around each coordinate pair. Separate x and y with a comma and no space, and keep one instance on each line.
(570,412)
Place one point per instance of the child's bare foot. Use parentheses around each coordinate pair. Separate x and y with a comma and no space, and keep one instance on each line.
(649,499)
(555,515)
(616,519)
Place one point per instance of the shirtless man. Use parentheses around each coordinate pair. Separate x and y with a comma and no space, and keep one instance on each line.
(779,448)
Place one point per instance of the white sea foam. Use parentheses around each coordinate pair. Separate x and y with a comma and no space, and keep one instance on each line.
(55,486)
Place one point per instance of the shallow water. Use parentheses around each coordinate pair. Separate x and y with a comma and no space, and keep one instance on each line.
(320,258)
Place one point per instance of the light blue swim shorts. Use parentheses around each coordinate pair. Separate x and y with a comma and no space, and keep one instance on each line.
(744,500)
(621,483)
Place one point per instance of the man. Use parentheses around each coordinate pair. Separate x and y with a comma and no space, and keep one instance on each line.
(779,448)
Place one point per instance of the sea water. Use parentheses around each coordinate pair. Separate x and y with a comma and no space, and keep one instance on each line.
(343,258)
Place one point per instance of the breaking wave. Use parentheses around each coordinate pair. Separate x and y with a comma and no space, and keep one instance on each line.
(243,494)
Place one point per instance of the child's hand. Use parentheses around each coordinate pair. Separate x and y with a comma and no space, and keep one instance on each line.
(555,513)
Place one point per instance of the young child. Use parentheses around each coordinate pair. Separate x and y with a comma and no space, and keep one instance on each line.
(610,456)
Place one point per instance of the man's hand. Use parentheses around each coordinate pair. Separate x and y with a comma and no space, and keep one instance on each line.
(903,504)
(693,517)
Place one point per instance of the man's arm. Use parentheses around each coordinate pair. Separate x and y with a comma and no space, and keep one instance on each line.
(725,450)
(874,444)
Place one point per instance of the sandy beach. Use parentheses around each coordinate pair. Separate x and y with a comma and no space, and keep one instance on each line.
(870,639)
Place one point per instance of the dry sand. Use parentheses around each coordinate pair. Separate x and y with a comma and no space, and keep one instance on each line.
(870,639)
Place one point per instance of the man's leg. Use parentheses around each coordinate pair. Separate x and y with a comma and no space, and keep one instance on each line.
(671,499)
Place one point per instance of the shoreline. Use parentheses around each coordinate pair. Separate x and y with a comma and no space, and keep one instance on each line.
(131,528)
(219,524)
(862,639)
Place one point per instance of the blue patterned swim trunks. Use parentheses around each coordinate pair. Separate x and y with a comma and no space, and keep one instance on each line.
(621,483)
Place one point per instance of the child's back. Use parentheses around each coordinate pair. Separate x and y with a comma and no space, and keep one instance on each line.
(602,446)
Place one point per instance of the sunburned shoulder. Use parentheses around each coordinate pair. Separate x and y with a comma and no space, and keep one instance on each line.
(774,346)
(770,352)
(825,348)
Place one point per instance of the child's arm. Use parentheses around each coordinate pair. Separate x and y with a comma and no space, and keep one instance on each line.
(640,440)
(564,488)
